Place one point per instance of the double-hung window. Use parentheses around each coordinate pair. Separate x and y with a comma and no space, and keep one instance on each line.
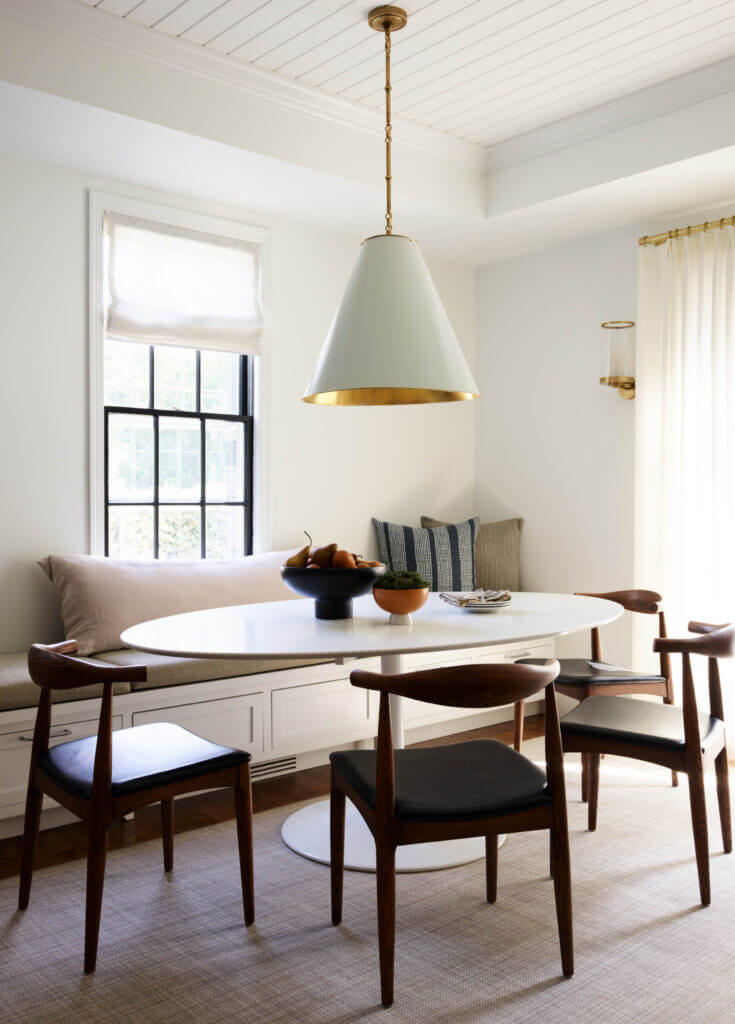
(182,319)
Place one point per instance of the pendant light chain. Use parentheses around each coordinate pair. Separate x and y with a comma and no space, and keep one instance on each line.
(388,136)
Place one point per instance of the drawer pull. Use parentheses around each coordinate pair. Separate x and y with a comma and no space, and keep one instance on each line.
(518,654)
(52,735)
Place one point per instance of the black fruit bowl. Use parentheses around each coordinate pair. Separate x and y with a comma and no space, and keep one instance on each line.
(332,589)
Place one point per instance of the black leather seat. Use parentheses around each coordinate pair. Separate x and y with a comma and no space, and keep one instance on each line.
(585,672)
(456,782)
(142,758)
(628,720)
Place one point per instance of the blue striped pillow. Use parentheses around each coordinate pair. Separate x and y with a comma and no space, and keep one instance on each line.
(443,555)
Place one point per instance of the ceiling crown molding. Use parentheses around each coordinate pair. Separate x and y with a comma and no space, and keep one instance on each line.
(266,86)
(624,112)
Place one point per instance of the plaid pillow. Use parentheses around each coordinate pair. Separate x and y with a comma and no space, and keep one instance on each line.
(443,555)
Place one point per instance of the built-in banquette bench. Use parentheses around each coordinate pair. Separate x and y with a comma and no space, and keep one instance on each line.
(287,714)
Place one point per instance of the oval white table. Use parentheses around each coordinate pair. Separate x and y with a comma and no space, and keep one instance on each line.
(288,629)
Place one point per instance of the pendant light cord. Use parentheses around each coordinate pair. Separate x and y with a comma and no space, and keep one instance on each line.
(388,131)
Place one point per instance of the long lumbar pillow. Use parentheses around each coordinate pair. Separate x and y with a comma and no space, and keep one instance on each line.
(102,597)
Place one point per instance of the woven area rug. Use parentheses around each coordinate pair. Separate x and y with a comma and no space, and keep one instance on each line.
(174,949)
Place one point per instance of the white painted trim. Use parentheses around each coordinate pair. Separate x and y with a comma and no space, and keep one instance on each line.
(176,216)
(665,97)
(258,83)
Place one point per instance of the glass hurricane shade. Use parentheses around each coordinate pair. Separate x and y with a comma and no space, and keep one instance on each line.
(618,351)
(391,342)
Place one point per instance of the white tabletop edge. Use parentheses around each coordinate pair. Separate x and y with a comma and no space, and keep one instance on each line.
(393,639)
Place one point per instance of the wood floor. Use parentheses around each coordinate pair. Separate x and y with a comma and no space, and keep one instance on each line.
(69,842)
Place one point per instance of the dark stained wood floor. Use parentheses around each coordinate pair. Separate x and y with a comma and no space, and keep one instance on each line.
(69,842)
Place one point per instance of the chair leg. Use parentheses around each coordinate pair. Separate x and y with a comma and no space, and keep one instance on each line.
(699,828)
(96,860)
(723,799)
(669,699)
(491,867)
(337,849)
(593,789)
(244,820)
(34,799)
(518,724)
(585,777)
(386,885)
(167,833)
(563,897)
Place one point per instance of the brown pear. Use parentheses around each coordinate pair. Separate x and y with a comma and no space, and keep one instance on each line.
(300,559)
(343,560)
(323,556)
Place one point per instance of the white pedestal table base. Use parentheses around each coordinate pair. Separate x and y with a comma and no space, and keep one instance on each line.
(306,832)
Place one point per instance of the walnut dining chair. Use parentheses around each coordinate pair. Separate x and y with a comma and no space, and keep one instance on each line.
(104,777)
(475,788)
(581,678)
(679,738)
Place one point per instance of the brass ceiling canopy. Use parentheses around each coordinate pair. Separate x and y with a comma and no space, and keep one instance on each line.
(387,18)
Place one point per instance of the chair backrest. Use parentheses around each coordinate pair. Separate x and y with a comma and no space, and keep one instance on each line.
(644,602)
(52,668)
(712,642)
(462,686)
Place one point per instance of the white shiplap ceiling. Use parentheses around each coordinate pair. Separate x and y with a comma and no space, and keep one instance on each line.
(482,70)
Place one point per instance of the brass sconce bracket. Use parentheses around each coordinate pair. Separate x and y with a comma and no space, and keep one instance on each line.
(625,385)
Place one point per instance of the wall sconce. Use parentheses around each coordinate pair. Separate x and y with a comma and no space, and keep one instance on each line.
(620,343)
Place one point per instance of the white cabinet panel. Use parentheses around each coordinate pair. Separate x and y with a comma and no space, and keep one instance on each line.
(15,755)
(316,715)
(232,721)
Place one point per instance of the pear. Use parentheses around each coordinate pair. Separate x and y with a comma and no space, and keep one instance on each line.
(343,560)
(323,556)
(300,559)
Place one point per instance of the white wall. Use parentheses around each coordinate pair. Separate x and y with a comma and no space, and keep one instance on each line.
(553,445)
(330,469)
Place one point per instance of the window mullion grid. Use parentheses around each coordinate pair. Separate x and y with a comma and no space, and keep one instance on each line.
(107,483)
(155,484)
(245,417)
(202,484)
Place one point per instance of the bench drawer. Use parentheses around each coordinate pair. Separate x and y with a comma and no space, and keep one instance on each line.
(316,715)
(15,755)
(232,721)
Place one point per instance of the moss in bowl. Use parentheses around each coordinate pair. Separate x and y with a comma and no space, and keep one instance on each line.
(400,593)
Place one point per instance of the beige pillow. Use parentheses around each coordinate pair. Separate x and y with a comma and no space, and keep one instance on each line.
(497,553)
(102,597)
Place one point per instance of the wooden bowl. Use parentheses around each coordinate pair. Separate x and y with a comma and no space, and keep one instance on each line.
(400,602)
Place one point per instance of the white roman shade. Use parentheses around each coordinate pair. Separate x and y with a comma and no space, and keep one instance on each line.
(168,285)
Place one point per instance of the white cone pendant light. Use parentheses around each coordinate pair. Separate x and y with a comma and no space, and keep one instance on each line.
(391,342)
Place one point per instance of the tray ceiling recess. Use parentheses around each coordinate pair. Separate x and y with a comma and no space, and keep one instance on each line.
(481,70)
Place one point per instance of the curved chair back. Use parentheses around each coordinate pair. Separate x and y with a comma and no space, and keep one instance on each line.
(51,667)
(644,602)
(712,642)
(463,686)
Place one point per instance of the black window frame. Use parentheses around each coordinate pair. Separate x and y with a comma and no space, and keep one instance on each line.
(244,416)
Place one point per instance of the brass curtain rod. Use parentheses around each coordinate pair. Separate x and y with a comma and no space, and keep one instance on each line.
(708,225)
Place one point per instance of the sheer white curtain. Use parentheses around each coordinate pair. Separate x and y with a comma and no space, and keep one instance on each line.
(685,428)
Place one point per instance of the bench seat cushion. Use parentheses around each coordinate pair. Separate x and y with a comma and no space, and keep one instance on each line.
(17,689)
(166,671)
